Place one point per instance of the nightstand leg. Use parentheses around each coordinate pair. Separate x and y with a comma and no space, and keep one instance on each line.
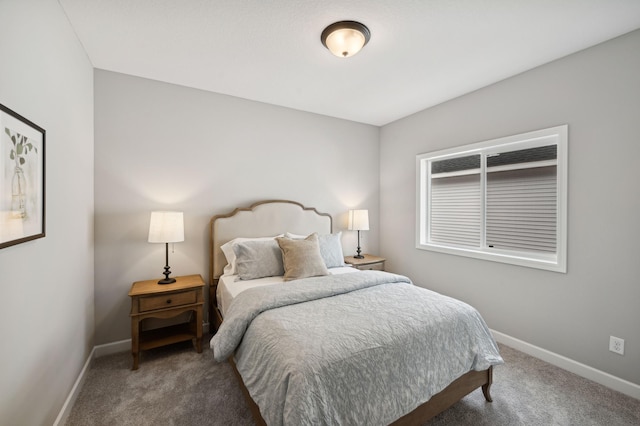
(135,342)
(199,329)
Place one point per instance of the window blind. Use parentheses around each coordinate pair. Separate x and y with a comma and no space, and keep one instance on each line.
(522,209)
(456,210)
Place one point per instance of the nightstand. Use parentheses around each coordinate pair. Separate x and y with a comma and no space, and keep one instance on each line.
(152,300)
(368,263)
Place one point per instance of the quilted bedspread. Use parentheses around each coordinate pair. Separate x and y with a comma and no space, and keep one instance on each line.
(352,349)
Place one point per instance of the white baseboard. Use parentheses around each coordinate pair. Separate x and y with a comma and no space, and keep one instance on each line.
(568,364)
(73,395)
(112,348)
(97,352)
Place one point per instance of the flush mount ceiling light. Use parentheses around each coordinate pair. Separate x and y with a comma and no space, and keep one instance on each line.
(345,38)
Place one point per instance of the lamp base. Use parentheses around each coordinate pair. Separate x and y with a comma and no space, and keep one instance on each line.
(167,272)
(358,251)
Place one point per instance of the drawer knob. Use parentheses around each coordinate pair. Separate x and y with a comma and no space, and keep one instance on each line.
(168,301)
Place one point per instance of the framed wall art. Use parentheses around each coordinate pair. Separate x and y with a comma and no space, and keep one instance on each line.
(22,179)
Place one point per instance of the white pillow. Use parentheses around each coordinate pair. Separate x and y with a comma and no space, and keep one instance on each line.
(330,248)
(227,248)
(295,236)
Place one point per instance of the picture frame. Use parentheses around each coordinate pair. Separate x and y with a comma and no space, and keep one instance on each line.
(22,179)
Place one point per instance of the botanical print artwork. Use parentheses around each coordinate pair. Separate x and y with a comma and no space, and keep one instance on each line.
(21,146)
(21,179)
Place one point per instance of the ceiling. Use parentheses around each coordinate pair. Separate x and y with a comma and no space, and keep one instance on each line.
(421,52)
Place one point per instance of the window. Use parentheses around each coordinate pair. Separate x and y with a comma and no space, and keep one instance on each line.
(503,200)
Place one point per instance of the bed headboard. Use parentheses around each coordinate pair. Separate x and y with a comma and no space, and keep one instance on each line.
(262,219)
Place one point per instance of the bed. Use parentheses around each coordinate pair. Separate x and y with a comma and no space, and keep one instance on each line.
(331,346)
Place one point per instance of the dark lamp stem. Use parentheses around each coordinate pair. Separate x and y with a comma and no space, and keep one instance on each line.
(167,272)
(358,256)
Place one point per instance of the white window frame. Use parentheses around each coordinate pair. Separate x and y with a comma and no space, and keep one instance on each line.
(553,262)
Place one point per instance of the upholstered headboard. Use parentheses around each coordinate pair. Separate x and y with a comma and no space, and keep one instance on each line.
(262,219)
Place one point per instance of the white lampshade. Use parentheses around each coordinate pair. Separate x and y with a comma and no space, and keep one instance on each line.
(166,227)
(358,220)
(346,38)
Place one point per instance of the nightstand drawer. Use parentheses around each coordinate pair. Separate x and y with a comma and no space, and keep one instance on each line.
(167,300)
(371,267)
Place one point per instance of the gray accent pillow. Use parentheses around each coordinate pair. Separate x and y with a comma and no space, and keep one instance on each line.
(258,259)
(301,258)
(331,249)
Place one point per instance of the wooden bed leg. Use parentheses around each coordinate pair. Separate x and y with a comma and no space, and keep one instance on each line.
(486,388)
(255,410)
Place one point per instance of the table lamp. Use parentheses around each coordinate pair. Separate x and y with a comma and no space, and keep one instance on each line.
(358,221)
(166,227)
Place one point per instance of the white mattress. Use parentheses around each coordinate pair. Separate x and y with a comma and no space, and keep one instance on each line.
(228,287)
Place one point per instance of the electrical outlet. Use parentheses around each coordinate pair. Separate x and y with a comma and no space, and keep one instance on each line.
(616,345)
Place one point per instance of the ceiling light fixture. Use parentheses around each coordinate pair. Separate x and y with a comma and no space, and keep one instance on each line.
(345,38)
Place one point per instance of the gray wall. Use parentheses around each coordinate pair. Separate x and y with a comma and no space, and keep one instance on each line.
(161,146)
(597,93)
(46,317)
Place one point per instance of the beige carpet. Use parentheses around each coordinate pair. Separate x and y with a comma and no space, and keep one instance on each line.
(176,386)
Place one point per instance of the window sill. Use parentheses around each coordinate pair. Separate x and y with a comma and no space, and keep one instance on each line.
(549,263)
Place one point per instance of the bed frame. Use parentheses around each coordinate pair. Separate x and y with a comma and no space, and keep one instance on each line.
(272,217)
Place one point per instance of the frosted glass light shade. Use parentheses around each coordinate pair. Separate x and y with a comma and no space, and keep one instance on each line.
(358,220)
(345,38)
(166,227)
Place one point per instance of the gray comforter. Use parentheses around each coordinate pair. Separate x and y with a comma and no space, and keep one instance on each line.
(352,349)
